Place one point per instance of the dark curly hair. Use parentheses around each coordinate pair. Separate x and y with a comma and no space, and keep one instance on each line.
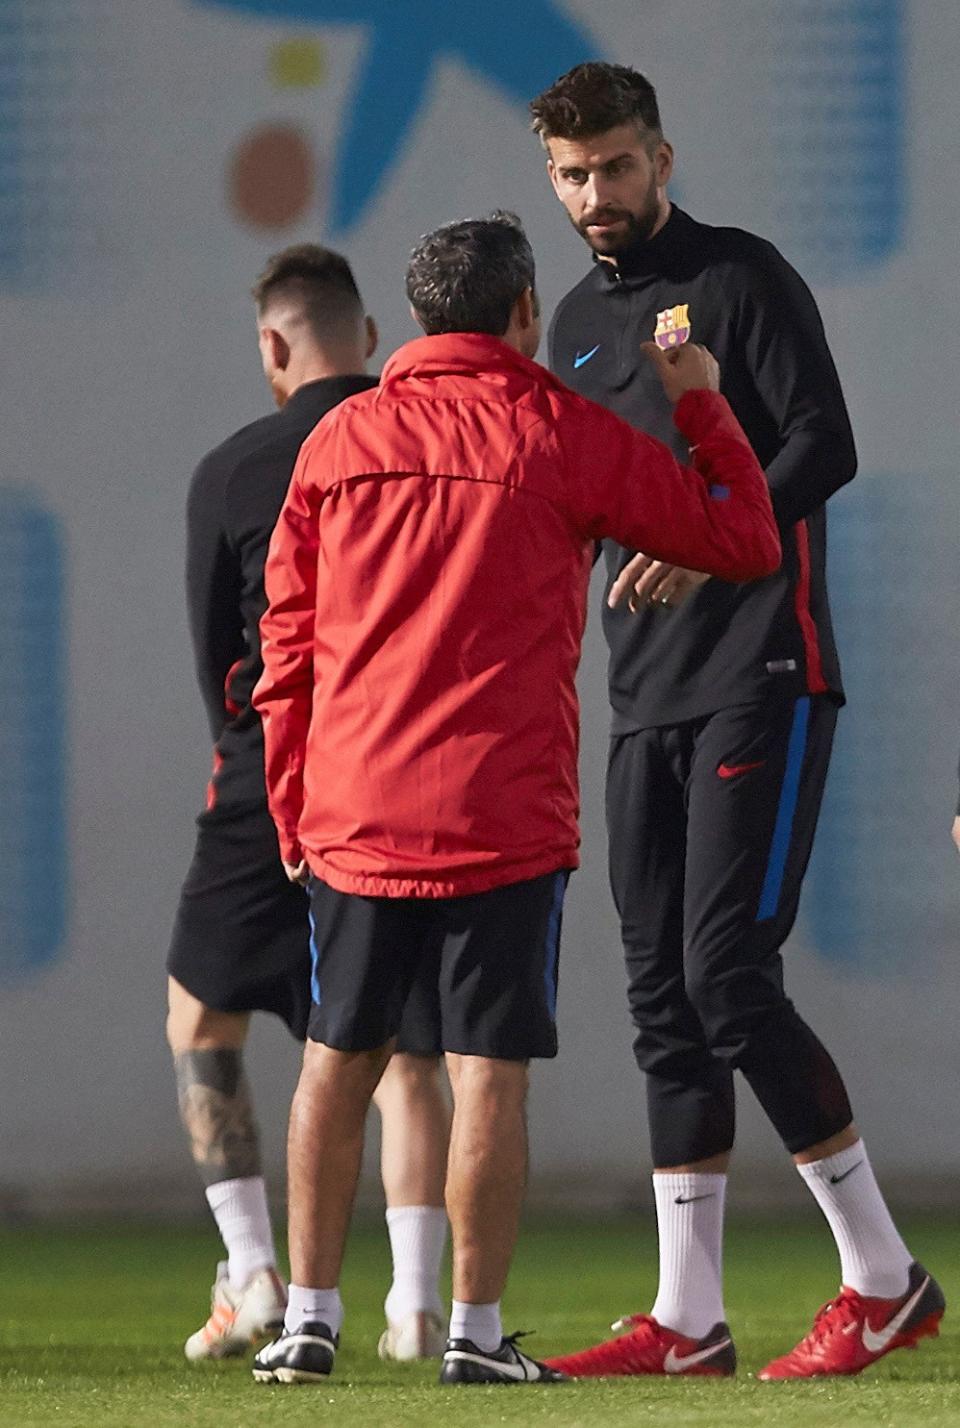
(595,97)
(467,276)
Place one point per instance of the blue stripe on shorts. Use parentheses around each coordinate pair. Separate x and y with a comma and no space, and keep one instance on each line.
(552,955)
(314,958)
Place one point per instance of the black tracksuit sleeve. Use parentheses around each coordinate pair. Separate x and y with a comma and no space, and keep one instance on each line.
(786,352)
(213,592)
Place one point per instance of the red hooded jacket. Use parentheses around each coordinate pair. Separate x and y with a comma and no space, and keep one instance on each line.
(427,587)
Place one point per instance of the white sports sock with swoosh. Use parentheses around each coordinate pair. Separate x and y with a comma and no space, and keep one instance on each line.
(313,1306)
(873,1258)
(690,1224)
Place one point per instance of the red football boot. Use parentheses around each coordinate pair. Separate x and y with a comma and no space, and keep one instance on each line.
(650,1348)
(852,1332)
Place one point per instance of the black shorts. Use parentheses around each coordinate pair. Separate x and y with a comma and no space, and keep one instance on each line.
(490,958)
(241,938)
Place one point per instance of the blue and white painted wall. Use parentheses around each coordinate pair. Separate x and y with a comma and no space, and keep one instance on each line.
(150,158)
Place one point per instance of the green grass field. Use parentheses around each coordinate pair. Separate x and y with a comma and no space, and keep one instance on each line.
(93,1321)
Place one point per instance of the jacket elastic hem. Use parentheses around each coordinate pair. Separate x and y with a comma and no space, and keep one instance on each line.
(465,884)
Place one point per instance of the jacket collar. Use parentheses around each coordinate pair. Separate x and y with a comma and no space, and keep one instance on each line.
(326,392)
(461,352)
(654,255)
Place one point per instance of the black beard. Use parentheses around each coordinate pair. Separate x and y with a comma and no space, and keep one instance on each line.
(638,228)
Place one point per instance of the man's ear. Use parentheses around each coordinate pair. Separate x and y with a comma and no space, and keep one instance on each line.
(526,309)
(663,163)
(413,314)
(277,347)
(373,337)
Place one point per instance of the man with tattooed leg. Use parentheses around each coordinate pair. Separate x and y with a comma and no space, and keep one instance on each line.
(241,942)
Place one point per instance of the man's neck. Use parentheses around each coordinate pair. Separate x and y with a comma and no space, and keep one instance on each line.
(321,368)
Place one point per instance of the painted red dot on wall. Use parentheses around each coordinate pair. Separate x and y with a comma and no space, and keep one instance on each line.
(272,177)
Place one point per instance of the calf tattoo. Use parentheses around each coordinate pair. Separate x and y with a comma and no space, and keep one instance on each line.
(216,1110)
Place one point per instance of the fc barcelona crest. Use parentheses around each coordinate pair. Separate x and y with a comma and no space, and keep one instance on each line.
(673,326)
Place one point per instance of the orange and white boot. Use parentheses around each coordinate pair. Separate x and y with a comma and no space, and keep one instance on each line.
(239,1318)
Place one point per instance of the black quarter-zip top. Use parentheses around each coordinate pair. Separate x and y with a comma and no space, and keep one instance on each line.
(732,291)
(235,498)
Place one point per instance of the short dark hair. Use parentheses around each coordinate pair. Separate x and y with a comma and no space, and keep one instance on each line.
(315,280)
(592,98)
(467,276)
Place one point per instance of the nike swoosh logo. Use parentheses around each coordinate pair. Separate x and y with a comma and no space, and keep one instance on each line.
(689,1199)
(875,1341)
(580,358)
(673,1363)
(731,770)
(516,1371)
(835,1179)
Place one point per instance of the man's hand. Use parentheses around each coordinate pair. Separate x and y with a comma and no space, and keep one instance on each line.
(687,368)
(644,581)
(298,872)
(956,831)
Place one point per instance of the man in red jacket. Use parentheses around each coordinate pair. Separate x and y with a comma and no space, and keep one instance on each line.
(421,726)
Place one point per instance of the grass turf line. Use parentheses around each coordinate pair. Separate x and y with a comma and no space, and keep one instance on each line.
(94,1319)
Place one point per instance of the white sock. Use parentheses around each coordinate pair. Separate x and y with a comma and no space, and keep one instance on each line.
(313,1306)
(418,1234)
(873,1258)
(690,1224)
(240,1210)
(480,1323)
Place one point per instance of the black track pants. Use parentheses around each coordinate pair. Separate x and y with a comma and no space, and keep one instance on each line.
(711,824)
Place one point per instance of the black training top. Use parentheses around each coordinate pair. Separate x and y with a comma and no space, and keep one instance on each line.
(727,644)
(235,498)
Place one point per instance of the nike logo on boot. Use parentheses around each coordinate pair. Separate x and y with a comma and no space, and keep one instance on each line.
(674,1363)
(876,1340)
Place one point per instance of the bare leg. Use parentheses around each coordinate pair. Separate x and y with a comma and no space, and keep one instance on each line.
(487,1172)
(415,1119)
(214,1097)
(415,1130)
(323,1156)
(217,1112)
